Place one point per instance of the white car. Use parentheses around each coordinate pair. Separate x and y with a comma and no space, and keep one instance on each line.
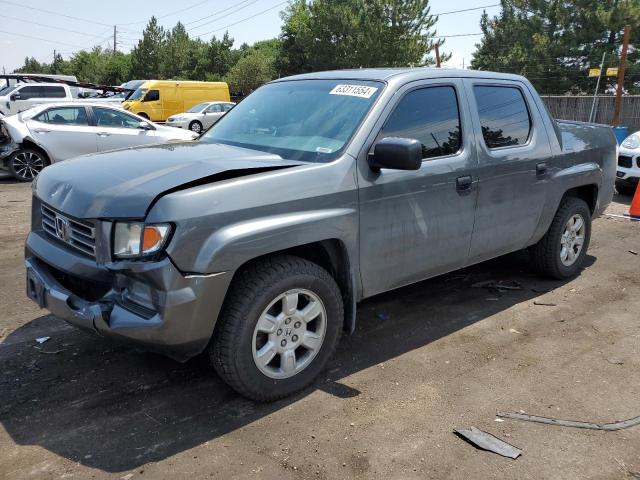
(628,171)
(21,97)
(50,133)
(200,117)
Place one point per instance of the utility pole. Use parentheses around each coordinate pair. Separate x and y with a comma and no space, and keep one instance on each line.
(437,55)
(595,94)
(623,62)
(115,33)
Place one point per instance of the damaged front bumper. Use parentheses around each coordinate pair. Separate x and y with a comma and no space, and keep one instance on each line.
(7,148)
(149,304)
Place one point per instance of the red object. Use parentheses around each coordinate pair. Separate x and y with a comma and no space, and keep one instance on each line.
(634,209)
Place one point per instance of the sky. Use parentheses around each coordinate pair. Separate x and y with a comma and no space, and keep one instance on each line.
(71,25)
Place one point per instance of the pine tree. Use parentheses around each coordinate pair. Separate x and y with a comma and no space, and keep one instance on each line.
(146,57)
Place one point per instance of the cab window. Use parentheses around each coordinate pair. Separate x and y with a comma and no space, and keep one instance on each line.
(54,92)
(31,91)
(63,116)
(152,96)
(504,116)
(107,117)
(431,116)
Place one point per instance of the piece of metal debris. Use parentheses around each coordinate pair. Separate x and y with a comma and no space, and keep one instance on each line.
(488,442)
(633,252)
(41,340)
(615,361)
(499,286)
(545,304)
(632,422)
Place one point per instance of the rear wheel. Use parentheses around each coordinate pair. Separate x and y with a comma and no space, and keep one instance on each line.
(560,253)
(196,127)
(26,164)
(279,327)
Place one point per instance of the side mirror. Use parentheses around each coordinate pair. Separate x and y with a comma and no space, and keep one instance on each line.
(15,96)
(396,153)
(145,126)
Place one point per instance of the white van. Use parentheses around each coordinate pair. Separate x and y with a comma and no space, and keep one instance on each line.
(17,98)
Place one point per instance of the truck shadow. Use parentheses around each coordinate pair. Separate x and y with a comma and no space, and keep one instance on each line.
(114,409)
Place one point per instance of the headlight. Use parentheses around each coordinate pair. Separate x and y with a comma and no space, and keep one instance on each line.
(632,141)
(132,240)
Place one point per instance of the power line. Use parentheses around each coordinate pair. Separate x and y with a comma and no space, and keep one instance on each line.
(467,9)
(222,16)
(49,26)
(55,13)
(243,20)
(197,4)
(459,35)
(42,39)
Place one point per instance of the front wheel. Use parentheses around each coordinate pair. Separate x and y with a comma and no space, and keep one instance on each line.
(196,127)
(560,253)
(279,327)
(26,164)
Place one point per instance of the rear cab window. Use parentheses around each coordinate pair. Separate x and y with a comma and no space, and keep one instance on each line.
(505,119)
(430,115)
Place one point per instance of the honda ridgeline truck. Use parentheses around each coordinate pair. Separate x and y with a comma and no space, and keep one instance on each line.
(256,242)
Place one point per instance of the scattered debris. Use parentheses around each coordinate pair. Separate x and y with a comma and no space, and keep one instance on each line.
(50,352)
(382,316)
(41,340)
(615,361)
(498,419)
(127,476)
(545,304)
(498,286)
(633,252)
(491,443)
(513,330)
(632,422)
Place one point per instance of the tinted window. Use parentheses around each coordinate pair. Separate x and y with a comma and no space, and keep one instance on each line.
(54,92)
(216,108)
(228,106)
(107,117)
(63,116)
(31,92)
(504,117)
(152,96)
(431,116)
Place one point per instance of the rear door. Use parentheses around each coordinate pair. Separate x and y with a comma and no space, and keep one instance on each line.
(212,114)
(117,129)
(513,153)
(417,224)
(64,132)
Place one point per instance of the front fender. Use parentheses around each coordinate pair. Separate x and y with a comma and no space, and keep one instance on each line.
(230,247)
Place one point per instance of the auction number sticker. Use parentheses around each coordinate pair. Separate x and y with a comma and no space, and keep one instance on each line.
(362,91)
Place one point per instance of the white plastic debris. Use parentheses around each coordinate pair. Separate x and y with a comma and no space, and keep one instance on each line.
(41,340)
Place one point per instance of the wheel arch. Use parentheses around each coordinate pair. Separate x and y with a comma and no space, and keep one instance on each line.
(587,193)
(29,143)
(333,256)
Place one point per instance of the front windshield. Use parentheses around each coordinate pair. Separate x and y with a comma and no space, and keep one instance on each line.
(198,108)
(6,90)
(307,120)
(138,94)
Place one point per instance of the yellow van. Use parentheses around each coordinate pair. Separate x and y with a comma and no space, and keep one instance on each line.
(157,100)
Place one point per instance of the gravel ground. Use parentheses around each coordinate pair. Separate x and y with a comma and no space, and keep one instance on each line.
(424,360)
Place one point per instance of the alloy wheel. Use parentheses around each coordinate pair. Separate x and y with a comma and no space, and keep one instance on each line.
(27,165)
(572,240)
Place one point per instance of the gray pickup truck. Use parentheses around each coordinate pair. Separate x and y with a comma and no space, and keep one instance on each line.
(256,242)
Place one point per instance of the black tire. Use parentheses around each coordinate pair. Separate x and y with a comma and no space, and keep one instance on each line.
(196,127)
(254,289)
(626,190)
(27,163)
(546,253)
(143,115)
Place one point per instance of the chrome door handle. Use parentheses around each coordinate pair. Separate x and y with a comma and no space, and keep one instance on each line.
(541,169)
(464,184)
(104,134)
(42,130)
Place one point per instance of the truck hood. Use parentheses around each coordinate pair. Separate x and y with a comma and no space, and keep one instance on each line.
(125,183)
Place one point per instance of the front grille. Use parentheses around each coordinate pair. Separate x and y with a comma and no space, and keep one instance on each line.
(80,235)
(624,161)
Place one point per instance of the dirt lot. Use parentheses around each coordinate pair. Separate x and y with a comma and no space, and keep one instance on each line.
(425,359)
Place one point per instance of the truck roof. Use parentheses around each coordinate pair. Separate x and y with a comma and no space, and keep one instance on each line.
(385,74)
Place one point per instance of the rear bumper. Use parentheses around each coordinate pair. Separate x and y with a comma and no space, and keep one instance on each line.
(148,304)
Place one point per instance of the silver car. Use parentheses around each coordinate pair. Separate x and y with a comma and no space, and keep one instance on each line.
(201,116)
(46,134)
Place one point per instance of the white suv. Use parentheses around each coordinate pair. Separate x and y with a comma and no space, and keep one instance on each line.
(628,171)
(17,98)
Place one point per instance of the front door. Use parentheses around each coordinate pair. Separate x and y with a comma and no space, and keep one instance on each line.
(513,170)
(118,129)
(417,224)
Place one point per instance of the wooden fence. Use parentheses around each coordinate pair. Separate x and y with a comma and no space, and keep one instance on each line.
(579,108)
